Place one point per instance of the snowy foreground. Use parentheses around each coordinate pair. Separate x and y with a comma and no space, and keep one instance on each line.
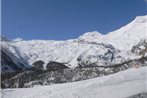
(119,85)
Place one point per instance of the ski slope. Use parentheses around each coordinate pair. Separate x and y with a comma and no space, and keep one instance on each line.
(119,85)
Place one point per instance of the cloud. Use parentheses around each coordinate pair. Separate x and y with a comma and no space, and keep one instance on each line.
(145,1)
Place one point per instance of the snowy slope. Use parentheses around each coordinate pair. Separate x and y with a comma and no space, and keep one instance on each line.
(10,60)
(62,51)
(129,35)
(119,85)
(91,47)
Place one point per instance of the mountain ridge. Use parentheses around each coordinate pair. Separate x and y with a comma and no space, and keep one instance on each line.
(91,47)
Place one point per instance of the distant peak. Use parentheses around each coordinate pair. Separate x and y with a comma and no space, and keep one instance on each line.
(92,34)
(89,36)
(18,39)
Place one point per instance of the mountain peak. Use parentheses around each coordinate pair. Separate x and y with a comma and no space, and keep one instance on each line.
(128,35)
(140,19)
(92,34)
(18,39)
(123,38)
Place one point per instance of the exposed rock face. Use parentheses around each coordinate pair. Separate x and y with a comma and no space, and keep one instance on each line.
(140,48)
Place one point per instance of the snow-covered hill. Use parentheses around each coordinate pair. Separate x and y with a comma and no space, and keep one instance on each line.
(119,85)
(92,47)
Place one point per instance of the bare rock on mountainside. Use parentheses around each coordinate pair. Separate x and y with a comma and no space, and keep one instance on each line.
(140,48)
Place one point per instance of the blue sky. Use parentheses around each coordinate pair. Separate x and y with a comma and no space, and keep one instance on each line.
(66,19)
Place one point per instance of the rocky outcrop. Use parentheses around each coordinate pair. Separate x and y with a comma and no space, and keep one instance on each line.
(140,48)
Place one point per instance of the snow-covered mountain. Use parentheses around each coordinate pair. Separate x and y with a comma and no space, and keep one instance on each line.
(10,62)
(92,47)
(66,52)
(123,38)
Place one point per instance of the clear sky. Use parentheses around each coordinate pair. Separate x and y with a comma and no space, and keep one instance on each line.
(66,19)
